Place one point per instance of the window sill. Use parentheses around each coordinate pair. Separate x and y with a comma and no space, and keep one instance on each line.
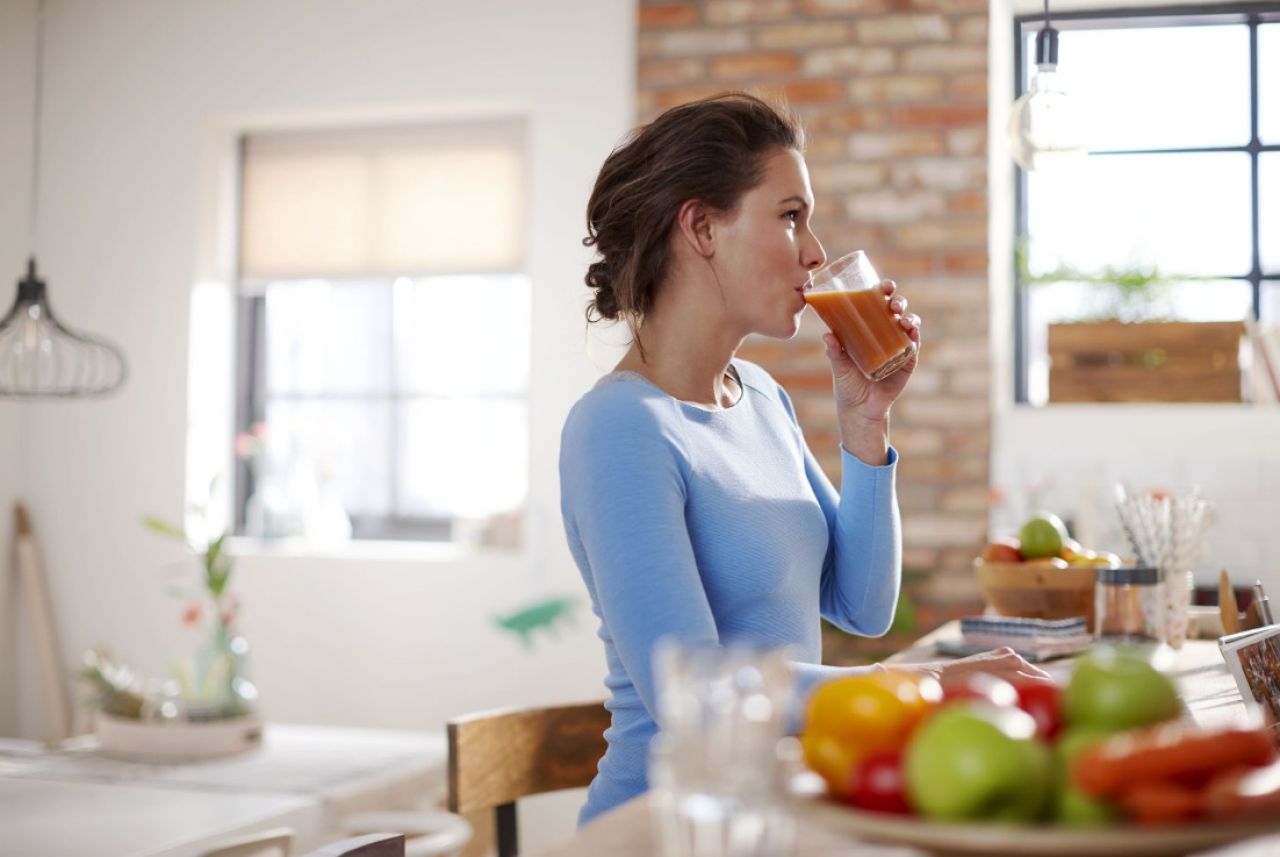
(368,551)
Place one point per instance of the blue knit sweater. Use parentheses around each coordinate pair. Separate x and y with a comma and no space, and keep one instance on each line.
(712,526)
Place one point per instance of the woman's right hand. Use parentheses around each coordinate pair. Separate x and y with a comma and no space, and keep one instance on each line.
(1004,663)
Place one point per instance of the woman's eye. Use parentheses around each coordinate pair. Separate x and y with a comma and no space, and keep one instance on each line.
(792,215)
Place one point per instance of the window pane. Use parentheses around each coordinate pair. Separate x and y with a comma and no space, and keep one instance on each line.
(1269,83)
(468,458)
(1158,88)
(346,442)
(1269,208)
(1184,213)
(1048,303)
(328,337)
(1270,301)
(463,336)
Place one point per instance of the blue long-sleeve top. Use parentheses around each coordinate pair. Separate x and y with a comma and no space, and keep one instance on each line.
(709,526)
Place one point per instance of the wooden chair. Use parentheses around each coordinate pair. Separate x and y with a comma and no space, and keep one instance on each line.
(496,757)
(370,845)
(264,843)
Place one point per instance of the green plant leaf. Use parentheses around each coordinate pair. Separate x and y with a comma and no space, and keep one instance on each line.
(164,528)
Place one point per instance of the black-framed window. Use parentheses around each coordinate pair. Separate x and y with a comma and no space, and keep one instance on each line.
(1182,177)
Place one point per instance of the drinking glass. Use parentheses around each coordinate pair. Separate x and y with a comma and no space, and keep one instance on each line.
(847,295)
(715,771)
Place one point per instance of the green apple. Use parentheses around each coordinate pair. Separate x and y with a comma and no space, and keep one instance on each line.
(1043,535)
(976,761)
(1072,807)
(1111,690)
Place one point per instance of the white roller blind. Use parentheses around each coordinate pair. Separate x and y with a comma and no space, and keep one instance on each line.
(388,202)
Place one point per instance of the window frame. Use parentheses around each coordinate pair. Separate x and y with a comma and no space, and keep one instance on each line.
(249,382)
(1250,14)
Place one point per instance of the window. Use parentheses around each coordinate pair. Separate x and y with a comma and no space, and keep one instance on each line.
(383,334)
(1182,179)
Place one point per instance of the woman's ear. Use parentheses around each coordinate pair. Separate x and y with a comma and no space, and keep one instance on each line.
(695,222)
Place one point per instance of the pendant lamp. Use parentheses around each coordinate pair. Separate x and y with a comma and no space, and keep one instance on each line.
(39,356)
(1045,128)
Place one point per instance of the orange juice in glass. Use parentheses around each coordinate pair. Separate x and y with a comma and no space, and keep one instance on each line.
(847,295)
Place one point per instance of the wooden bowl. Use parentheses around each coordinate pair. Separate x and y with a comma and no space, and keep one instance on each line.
(1037,590)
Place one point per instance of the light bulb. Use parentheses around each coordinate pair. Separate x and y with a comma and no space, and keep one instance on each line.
(1045,128)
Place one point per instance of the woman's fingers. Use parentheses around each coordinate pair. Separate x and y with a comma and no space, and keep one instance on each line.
(888,287)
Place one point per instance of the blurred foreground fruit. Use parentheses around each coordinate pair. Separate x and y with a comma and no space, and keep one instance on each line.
(1111,691)
(851,717)
(974,761)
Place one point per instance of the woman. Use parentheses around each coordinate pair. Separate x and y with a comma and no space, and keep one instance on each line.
(691,503)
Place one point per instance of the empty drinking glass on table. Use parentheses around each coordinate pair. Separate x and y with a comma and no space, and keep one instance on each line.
(847,295)
(717,779)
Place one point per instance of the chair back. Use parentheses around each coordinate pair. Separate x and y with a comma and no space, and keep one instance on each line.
(264,843)
(496,757)
(369,845)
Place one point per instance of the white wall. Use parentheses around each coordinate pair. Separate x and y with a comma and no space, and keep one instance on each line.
(17,76)
(1069,457)
(138,92)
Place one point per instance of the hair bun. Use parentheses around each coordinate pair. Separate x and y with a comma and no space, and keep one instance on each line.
(600,278)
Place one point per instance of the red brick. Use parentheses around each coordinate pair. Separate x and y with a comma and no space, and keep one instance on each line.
(683,43)
(822,150)
(903,29)
(813,91)
(748,11)
(962,263)
(807,34)
(844,8)
(967,202)
(972,29)
(848,60)
(892,145)
(968,87)
(946,412)
(967,141)
(668,15)
(941,173)
(943,234)
(944,530)
(665,99)
(896,88)
(653,73)
(965,499)
(939,115)
(950,7)
(945,58)
(891,206)
(901,266)
(849,175)
(920,557)
(754,65)
(827,119)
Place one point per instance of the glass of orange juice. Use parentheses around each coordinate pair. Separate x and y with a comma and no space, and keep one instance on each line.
(847,295)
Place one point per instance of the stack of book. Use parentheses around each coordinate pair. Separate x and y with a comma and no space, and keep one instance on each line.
(1034,639)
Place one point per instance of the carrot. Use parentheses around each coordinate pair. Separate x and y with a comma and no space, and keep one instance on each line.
(1171,752)
(1244,793)
(1160,802)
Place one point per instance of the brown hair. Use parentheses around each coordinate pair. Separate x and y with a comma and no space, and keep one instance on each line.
(712,150)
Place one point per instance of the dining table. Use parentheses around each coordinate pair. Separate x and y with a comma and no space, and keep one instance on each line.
(824,829)
(74,799)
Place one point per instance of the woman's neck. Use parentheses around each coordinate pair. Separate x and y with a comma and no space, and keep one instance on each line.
(683,361)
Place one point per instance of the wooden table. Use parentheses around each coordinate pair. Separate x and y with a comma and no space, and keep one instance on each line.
(1207,688)
(75,801)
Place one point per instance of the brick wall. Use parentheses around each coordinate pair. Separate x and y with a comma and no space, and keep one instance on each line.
(893,94)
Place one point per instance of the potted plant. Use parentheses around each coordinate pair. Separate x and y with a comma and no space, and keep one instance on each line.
(1124,345)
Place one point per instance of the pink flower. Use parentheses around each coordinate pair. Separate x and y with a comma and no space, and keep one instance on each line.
(259,430)
(191,616)
(246,445)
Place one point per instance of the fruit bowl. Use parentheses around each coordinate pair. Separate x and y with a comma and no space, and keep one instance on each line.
(1037,590)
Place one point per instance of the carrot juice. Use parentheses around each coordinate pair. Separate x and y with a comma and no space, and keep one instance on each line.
(847,296)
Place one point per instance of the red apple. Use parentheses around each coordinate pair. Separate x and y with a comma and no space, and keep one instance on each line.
(1003,549)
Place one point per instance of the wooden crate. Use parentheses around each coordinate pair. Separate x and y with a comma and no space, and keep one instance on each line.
(1151,361)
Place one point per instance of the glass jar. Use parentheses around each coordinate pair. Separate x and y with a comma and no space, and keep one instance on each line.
(1128,605)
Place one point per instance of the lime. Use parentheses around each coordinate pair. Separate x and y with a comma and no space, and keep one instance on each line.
(1042,536)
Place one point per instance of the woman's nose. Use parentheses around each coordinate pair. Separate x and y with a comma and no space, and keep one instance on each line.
(813,256)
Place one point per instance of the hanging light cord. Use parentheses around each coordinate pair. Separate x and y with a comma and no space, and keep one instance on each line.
(37,113)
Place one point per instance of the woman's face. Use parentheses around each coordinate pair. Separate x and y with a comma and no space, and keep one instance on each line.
(765,250)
